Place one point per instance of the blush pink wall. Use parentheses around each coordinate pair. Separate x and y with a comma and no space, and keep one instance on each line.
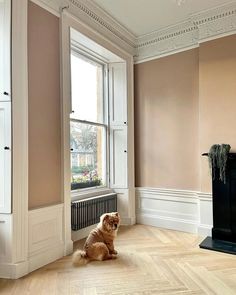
(166,122)
(217,98)
(44,108)
(184,103)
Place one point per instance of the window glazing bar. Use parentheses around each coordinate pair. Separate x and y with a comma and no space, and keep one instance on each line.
(88,122)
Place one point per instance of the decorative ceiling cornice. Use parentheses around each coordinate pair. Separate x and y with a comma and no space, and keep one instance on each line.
(165,34)
(96,18)
(166,41)
(214,14)
(100,17)
(216,22)
(200,27)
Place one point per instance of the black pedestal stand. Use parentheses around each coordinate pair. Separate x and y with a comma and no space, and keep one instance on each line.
(224,210)
(218,245)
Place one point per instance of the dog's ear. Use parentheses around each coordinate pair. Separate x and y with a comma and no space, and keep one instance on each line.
(106,217)
(117,214)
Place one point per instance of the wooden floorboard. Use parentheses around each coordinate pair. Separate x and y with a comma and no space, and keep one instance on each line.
(150,261)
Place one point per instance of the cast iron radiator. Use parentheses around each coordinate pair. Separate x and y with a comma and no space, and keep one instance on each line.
(87,212)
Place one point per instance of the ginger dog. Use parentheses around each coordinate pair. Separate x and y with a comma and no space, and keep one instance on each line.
(99,244)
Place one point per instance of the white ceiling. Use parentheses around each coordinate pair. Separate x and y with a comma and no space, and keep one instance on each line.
(141,17)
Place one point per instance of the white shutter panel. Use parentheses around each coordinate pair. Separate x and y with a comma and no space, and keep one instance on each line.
(5,39)
(5,157)
(118,93)
(118,151)
(118,125)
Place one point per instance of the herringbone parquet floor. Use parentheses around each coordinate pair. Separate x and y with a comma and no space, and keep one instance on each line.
(151,261)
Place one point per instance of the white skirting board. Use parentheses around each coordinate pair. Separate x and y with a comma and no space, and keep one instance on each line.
(45,236)
(183,210)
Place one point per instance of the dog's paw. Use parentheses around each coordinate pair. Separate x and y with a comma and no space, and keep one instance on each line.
(114,252)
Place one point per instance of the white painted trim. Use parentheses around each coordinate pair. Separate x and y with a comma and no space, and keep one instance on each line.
(204,26)
(88,193)
(46,5)
(15,263)
(211,38)
(95,17)
(46,257)
(157,56)
(6,156)
(128,220)
(130,142)
(184,210)
(5,51)
(204,196)
(13,271)
(166,192)
(45,235)
(19,132)
(205,214)
(65,115)
(168,223)
(204,230)
(68,21)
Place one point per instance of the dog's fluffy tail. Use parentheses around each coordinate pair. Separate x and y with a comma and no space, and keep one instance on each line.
(80,258)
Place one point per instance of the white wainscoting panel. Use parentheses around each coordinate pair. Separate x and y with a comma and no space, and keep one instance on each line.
(5,237)
(183,210)
(45,235)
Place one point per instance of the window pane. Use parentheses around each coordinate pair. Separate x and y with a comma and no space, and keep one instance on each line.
(88,164)
(87,89)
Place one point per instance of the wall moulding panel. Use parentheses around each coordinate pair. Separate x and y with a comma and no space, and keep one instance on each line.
(183,210)
(45,235)
(207,25)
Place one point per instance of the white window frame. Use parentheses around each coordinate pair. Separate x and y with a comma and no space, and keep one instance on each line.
(102,46)
(91,191)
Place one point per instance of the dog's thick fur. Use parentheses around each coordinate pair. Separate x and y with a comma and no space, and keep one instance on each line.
(100,242)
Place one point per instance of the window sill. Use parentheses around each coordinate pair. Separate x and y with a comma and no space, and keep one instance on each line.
(89,193)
